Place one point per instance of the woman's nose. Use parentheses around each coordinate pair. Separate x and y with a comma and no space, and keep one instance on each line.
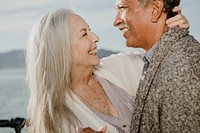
(95,38)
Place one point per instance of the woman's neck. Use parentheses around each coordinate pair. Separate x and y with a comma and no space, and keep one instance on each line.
(92,94)
(81,77)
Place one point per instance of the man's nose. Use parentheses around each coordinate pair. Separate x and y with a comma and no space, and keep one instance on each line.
(118,20)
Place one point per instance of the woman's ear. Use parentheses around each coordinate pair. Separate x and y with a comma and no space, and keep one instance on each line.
(157,9)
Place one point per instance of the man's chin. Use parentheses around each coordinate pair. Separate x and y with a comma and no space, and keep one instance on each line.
(129,44)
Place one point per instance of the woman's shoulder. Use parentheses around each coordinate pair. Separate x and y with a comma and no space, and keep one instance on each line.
(122,69)
(125,55)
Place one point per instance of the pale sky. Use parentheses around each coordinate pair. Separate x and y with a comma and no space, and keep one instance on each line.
(18,16)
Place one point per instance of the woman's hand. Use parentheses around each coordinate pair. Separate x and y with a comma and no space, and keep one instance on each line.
(90,130)
(179,19)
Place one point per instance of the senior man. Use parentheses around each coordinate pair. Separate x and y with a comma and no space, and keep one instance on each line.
(168,96)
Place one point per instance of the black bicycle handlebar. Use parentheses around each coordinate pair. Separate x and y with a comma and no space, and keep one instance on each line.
(17,124)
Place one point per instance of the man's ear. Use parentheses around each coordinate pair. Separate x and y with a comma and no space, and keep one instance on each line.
(157,9)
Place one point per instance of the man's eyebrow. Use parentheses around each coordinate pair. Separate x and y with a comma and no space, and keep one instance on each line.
(117,6)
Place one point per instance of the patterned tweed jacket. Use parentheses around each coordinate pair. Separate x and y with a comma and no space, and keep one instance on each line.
(168,99)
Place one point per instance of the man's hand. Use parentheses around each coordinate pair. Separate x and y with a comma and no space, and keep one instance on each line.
(90,130)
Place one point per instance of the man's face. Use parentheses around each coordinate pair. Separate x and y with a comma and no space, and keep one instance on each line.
(133,19)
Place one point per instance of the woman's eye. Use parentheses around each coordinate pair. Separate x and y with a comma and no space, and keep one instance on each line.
(84,34)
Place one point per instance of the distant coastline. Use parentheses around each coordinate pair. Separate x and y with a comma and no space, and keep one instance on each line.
(16,58)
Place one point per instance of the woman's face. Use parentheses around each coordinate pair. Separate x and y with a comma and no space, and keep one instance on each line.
(83,43)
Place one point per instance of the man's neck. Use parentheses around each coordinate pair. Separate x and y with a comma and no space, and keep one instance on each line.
(157,31)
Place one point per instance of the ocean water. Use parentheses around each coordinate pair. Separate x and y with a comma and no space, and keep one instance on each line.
(13,96)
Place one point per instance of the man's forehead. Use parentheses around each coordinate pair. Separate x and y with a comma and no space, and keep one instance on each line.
(118,2)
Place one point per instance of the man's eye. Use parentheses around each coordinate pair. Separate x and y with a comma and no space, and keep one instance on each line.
(122,8)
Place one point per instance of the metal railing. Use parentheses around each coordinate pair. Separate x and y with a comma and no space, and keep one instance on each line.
(16,123)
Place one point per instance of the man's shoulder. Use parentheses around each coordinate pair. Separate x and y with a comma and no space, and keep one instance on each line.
(183,55)
(186,44)
(185,49)
(181,62)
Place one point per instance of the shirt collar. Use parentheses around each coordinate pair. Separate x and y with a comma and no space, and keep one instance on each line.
(148,55)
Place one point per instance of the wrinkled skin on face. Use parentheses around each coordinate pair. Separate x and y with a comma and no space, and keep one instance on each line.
(143,25)
(138,20)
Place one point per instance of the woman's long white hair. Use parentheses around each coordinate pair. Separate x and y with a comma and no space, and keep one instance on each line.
(48,58)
